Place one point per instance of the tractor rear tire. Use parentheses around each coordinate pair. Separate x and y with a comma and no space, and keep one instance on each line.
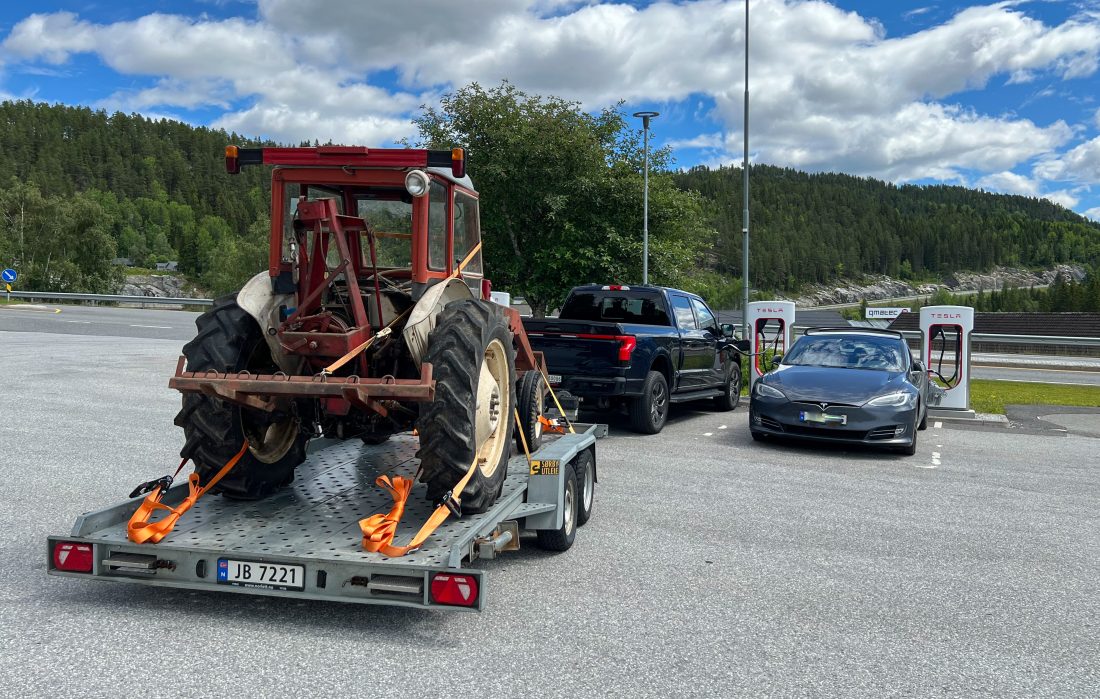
(230,340)
(473,364)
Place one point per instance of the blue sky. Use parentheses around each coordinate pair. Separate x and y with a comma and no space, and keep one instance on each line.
(999,96)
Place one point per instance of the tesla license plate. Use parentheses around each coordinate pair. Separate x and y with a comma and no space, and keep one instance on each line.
(822,418)
(269,576)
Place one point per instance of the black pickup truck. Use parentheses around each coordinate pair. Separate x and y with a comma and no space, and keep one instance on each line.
(642,347)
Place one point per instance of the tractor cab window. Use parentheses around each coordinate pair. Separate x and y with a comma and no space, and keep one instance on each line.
(467,233)
(437,226)
(389,214)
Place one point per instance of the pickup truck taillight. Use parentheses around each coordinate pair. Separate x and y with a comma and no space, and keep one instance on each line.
(627,343)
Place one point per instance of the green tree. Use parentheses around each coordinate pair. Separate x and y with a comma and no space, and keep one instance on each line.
(561,192)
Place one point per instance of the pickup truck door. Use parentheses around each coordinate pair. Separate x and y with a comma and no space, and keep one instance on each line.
(694,364)
(710,360)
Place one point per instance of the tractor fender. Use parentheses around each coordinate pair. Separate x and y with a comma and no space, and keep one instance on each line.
(422,319)
(259,301)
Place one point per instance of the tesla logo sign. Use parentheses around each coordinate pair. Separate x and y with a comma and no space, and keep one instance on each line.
(824,406)
(770,310)
(946,316)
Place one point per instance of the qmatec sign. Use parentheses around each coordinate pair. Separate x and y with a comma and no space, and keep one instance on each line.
(887,313)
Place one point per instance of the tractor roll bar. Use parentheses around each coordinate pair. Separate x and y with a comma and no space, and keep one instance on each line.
(346,156)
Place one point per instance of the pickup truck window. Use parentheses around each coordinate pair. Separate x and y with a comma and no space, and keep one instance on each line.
(616,307)
(706,318)
(681,306)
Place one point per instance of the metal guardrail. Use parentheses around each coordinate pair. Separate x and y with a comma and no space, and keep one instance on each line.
(112,298)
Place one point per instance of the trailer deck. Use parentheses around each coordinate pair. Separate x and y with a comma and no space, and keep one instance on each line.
(311,529)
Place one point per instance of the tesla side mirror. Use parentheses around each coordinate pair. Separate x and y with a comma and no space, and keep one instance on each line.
(776,359)
(917,367)
(727,330)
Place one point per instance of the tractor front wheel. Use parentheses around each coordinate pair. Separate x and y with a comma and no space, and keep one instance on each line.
(473,364)
(230,340)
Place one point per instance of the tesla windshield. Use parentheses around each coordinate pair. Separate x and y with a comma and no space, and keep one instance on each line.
(848,352)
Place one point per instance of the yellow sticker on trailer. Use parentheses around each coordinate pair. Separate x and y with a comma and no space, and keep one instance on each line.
(545,467)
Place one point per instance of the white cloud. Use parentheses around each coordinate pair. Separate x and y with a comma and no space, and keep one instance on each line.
(1093,213)
(830,89)
(1009,183)
(1065,198)
(1079,164)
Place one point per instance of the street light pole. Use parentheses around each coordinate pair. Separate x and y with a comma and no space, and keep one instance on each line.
(645,117)
(745,177)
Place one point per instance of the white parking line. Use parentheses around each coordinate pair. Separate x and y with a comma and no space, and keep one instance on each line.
(82,322)
(721,427)
(937,424)
(161,327)
(708,434)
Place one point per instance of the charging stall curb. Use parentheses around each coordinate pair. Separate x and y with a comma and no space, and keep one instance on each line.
(312,527)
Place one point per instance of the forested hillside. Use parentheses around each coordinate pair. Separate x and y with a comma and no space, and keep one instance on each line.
(815,228)
(80,187)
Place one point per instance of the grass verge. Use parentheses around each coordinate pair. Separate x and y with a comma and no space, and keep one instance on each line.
(992,396)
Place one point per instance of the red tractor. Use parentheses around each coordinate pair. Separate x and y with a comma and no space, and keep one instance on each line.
(373,318)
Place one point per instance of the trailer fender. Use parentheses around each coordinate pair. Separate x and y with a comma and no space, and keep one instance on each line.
(422,319)
(261,302)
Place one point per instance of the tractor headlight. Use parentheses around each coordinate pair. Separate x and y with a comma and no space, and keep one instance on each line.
(901,399)
(416,182)
(763,389)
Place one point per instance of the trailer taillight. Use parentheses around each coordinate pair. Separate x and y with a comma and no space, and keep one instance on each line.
(232,164)
(458,163)
(486,289)
(454,590)
(72,557)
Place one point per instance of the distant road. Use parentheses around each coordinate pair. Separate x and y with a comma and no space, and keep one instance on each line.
(150,324)
(180,326)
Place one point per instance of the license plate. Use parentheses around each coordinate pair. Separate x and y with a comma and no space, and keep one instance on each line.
(554,379)
(270,576)
(822,418)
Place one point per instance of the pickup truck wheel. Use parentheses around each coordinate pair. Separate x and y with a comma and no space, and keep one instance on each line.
(731,390)
(230,340)
(473,363)
(531,397)
(649,411)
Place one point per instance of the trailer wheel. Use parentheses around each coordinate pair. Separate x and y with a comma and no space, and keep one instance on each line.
(585,467)
(561,539)
(230,340)
(649,411)
(531,396)
(473,363)
(731,389)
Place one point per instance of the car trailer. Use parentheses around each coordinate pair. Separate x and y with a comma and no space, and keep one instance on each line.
(304,542)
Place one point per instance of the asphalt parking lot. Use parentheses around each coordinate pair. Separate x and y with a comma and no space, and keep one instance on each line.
(713,566)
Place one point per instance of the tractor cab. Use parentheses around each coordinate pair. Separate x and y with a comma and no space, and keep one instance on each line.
(358,236)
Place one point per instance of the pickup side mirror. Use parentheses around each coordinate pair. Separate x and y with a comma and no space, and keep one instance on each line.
(727,330)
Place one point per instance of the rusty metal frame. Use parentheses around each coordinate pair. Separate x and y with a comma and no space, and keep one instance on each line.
(260,390)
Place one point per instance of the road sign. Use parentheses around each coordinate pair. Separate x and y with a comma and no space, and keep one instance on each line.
(9,275)
(884,313)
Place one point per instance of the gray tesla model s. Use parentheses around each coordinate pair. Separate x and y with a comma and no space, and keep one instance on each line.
(858,385)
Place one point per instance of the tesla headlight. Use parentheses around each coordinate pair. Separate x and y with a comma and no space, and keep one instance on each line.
(901,399)
(763,389)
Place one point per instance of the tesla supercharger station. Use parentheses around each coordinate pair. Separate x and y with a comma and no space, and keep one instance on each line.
(945,336)
(770,324)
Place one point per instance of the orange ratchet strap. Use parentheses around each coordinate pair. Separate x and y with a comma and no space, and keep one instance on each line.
(141,530)
(379,530)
